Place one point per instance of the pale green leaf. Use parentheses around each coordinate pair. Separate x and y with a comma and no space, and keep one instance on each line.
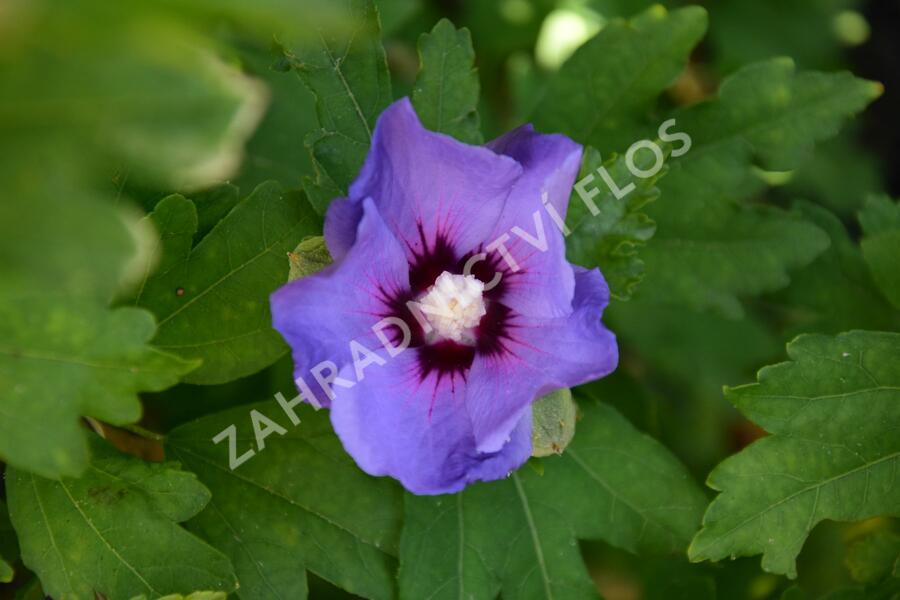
(114,531)
(62,357)
(300,503)
(518,537)
(133,86)
(446,91)
(63,354)
(604,93)
(880,219)
(833,452)
(144,83)
(212,301)
(552,423)
(310,256)
(191,596)
(81,250)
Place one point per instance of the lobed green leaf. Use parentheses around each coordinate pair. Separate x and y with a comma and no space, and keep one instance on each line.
(603,94)
(518,537)
(611,238)
(880,220)
(114,531)
(833,452)
(710,249)
(348,75)
(445,94)
(836,292)
(212,300)
(300,504)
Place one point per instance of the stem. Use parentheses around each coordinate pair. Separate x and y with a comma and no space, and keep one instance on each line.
(145,433)
(95,425)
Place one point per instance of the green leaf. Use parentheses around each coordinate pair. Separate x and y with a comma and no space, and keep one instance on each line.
(603,94)
(840,174)
(202,111)
(836,292)
(658,333)
(886,590)
(767,115)
(517,537)
(63,354)
(300,503)
(213,204)
(553,423)
(348,75)
(445,95)
(9,546)
(872,558)
(277,150)
(310,256)
(668,343)
(709,248)
(394,13)
(880,220)
(174,221)
(833,452)
(65,357)
(172,110)
(30,591)
(191,596)
(711,258)
(133,87)
(212,301)
(81,250)
(611,238)
(114,531)
(806,32)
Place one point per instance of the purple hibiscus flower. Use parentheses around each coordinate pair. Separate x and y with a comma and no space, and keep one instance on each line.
(450,306)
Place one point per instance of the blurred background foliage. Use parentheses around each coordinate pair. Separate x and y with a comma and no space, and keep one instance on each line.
(106,107)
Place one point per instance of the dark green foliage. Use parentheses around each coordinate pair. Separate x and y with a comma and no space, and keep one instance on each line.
(167,165)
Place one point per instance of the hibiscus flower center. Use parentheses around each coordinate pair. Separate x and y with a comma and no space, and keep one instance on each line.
(454,306)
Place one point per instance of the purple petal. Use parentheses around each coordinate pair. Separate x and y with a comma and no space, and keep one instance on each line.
(416,430)
(341,222)
(551,160)
(320,314)
(541,356)
(543,284)
(426,185)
